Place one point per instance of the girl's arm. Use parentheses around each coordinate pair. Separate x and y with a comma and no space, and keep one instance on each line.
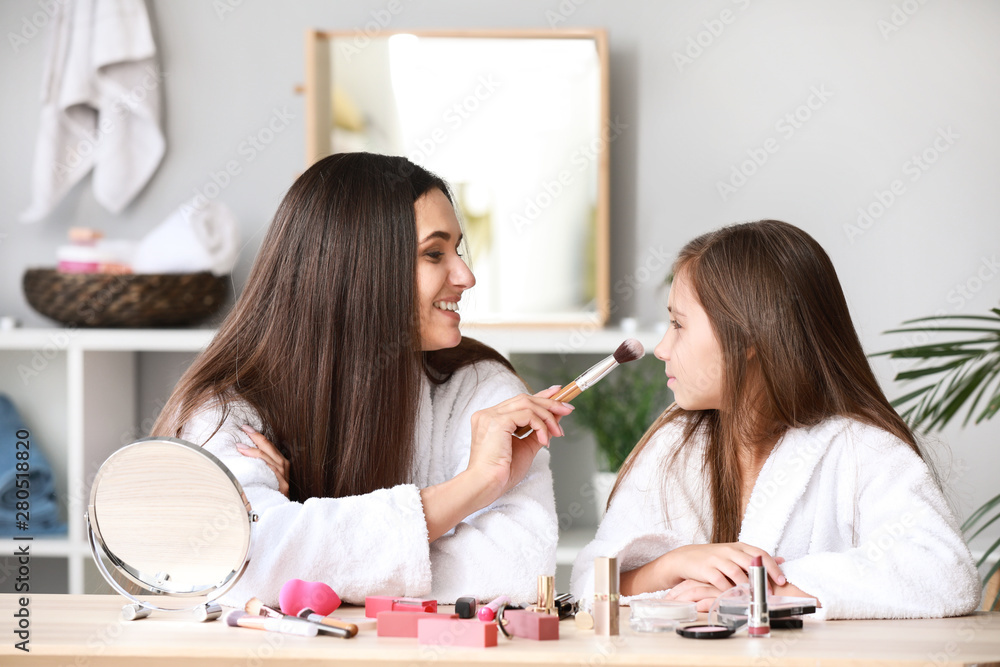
(659,548)
(634,528)
(906,558)
(718,565)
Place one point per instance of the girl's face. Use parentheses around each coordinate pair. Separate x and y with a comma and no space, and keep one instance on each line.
(442,275)
(691,351)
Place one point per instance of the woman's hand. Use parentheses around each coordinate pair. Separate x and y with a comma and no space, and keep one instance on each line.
(721,566)
(498,458)
(269,454)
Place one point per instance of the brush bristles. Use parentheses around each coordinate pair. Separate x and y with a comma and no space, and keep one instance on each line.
(254,606)
(233,617)
(630,350)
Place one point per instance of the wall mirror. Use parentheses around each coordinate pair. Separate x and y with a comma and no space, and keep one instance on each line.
(516,122)
(169,527)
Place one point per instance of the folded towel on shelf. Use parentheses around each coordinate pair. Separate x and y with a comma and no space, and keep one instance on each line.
(198,236)
(100,105)
(43,515)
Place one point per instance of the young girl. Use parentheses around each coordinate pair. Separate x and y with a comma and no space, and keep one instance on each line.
(780,444)
(395,475)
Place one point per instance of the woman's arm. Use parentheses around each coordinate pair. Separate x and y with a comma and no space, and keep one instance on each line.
(503,547)
(399,569)
(497,461)
(372,544)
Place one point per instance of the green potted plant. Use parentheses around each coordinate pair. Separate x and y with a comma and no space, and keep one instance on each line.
(618,410)
(957,374)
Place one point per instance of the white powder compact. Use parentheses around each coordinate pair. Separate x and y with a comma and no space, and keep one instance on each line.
(660,615)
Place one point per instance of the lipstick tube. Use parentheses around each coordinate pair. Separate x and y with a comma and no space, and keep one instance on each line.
(758,619)
(605,596)
(488,612)
(546,603)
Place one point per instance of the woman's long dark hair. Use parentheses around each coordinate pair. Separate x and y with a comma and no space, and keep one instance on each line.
(324,341)
(791,355)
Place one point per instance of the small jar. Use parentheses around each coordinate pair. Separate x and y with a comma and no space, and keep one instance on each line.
(660,615)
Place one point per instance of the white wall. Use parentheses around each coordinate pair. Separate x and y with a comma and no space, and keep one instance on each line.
(680,127)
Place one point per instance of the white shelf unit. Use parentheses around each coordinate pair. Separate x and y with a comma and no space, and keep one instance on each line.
(77,390)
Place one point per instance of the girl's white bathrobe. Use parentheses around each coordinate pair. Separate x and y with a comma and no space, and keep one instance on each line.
(853,510)
(376,543)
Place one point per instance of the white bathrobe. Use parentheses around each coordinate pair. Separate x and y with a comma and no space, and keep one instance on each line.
(376,544)
(853,510)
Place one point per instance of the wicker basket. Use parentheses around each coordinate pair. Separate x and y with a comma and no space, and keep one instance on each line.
(129,300)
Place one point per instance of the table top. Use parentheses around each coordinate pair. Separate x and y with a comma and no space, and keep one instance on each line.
(68,629)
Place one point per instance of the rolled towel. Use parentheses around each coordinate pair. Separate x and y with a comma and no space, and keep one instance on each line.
(199,236)
(43,517)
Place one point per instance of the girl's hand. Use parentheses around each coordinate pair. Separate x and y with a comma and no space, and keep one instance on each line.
(720,565)
(498,458)
(692,590)
(698,592)
(269,454)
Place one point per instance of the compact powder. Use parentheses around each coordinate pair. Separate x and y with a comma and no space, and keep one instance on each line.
(705,632)
(660,615)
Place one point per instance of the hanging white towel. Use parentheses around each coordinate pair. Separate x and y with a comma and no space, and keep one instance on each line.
(100,105)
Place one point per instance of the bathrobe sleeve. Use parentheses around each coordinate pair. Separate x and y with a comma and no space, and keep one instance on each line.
(903,555)
(373,544)
(635,528)
(501,549)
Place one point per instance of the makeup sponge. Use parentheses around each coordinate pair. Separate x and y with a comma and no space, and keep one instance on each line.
(297,594)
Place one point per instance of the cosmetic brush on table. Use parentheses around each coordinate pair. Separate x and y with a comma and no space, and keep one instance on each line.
(288,625)
(325,625)
(629,350)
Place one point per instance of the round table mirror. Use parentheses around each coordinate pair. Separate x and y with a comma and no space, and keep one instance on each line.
(169,527)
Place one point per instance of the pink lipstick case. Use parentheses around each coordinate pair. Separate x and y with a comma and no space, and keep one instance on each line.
(376,603)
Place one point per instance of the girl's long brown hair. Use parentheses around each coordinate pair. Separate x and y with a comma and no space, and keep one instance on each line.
(324,341)
(791,355)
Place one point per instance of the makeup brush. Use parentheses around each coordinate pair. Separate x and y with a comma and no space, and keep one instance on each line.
(288,626)
(331,625)
(629,350)
(255,607)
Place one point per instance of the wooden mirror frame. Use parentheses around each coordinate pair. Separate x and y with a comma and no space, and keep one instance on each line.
(318,106)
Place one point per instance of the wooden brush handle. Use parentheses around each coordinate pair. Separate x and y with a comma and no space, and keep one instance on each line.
(566,394)
(351,628)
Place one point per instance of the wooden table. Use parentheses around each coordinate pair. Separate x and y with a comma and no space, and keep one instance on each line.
(87,630)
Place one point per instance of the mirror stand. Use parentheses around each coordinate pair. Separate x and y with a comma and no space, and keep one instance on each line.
(156,543)
(139,609)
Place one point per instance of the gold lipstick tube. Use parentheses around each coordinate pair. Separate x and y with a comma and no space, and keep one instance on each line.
(606,596)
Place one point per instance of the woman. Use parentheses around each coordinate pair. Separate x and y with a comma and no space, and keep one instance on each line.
(780,444)
(344,348)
